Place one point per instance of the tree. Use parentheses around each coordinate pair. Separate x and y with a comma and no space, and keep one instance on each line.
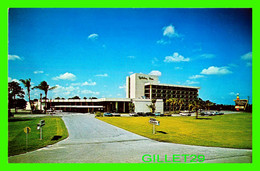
(172,102)
(75,97)
(131,107)
(57,98)
(14,89)
(180,103)
(84,98)
(44,87)
(190,105)
(152,106)
(208,104)
(27,84)
(197,104)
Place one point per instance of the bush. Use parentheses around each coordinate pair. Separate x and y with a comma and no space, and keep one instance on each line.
(99,114)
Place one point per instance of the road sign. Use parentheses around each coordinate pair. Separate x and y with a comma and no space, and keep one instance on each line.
(39,127)
(154,121)
(42,122)
(27,130)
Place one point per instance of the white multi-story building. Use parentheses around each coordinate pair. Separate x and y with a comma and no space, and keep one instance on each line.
(142,86)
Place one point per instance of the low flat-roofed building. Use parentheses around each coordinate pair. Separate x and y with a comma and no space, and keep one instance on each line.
(118,105)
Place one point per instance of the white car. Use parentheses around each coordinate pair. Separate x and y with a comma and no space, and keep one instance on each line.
(185,113)
(133,114)
(116,114)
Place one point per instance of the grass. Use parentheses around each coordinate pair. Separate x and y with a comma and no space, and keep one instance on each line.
(232,131)
(53,131)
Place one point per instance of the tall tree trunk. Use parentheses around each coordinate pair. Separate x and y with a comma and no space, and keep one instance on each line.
(45,107)
(30,102)
(15,102)
(197,114)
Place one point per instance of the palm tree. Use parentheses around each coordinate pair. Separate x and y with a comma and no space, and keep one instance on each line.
(190,105)
(198,103)
(172,102)
(131,107)
(27,84)
(196,107)
(152,106)
(180,103)
(44,87)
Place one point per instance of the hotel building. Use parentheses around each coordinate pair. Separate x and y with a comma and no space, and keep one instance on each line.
(148,87)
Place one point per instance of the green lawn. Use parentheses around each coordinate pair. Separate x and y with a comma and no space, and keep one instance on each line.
(233,130)
(53,131)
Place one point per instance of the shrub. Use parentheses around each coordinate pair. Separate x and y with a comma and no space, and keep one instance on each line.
(98,114)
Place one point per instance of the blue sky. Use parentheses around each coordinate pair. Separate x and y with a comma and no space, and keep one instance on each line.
(89,52)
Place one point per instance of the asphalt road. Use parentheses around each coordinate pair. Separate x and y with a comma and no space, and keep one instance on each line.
(93,141)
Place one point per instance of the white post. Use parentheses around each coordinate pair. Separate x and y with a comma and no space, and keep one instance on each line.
(153,129)
(26,141)
(40,133)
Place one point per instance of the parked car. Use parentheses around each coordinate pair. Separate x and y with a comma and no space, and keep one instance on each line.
(207,113)
(116,114)
(158,114)
(185,113)
(149,114)
(133,114)
(141,114)
(107,114)
(218,113)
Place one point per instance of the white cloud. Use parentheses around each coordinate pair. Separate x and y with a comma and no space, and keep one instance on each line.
(90,92)
(169,31)
(102,75)
(14,57)
(196,76)
(207,55)
(232,94)
(216,71)
(163,42)
(75,84)
(122,87)
(118,94)
(130,72)
(65,76)
(191,82)
(93,36)
(89,83)
(64,91)
(15,80)
(156,73)
(176,57)
(247,56)
(177,68)
(38,72)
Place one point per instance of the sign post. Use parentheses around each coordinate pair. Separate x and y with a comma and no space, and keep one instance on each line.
(39,127)
(27,130)
(240,103)
(154,122)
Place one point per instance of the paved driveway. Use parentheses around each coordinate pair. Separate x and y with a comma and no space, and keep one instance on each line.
(94,141)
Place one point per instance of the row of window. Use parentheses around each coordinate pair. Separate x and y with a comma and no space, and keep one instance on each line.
(172,92)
